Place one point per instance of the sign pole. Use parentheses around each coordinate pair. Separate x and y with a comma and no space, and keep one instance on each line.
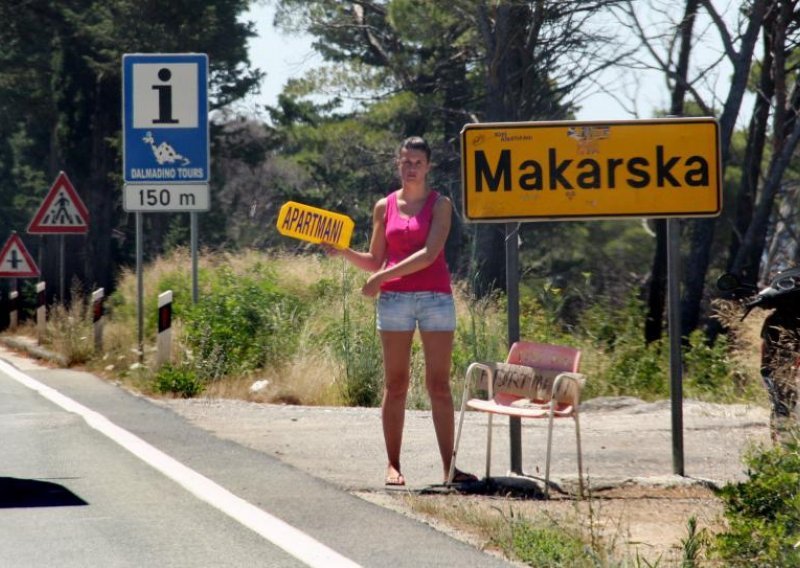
(675,365)
(61,254)
(41,255)
(512,292)
(193,222)
(139,286)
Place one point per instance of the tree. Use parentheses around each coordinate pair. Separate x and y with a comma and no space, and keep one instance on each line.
(472,60)
(702,231)
(780,94)
(660,54)
(71,85)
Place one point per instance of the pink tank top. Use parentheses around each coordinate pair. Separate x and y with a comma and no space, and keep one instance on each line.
(405,236)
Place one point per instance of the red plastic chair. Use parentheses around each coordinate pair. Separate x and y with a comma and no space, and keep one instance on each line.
(537,381)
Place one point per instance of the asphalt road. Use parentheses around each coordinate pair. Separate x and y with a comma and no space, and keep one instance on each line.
(107,478)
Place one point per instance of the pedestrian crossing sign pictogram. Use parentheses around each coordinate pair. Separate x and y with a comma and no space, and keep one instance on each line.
(62,210)
(15,262)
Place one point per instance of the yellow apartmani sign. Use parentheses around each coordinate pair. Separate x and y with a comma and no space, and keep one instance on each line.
(540,171)
(315,225)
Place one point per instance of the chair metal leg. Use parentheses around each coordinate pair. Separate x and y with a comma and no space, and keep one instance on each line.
(580,454)
(549,449)
(489,446)
(464,397)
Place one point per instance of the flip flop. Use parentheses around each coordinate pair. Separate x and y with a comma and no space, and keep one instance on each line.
(395,480)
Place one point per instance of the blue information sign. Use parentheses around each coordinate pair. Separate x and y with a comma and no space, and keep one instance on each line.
(165,118)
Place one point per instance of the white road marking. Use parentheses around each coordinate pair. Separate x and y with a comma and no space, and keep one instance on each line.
(279,533)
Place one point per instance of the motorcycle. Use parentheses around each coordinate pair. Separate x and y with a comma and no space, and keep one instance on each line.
(780,341)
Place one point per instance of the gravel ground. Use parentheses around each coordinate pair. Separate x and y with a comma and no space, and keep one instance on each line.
(623,439)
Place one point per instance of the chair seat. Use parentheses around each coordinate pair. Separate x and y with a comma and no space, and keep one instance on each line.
(520,408)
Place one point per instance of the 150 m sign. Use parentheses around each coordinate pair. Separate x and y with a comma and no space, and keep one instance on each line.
(562,170)
(159,197)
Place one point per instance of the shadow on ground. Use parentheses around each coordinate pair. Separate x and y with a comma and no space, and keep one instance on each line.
(509,487)
(22,493)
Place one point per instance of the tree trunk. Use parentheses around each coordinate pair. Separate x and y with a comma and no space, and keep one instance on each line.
(102,195)
(507,82)
(754,153)
(702,230)
(656,299)
(657,294)
(747,261)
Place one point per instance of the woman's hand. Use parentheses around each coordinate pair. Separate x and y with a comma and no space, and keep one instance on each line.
(373,285)
(331,250)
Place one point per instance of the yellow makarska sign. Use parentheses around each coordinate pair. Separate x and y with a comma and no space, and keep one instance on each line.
(561,170)
(315,225)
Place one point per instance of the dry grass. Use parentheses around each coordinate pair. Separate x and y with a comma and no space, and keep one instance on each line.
(632,527)
(744,336)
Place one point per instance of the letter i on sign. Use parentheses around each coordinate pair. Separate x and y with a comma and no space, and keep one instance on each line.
(164,98)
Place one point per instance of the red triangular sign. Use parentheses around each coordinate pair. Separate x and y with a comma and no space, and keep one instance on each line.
(62,210)
(15,262)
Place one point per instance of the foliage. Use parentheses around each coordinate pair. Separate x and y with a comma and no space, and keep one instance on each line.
(178,380)
(694,544)
(763,512)
(242,323)
(548,546)
(709,369)
(628,364)
(357,346)
(480,333)
(71,331)
(413,67)
(284,314)
(622,363)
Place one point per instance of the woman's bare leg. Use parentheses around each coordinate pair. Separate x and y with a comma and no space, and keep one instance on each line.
(397,374)
(438,349)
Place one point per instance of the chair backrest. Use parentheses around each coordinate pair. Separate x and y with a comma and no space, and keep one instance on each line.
(530,371)
(545,356)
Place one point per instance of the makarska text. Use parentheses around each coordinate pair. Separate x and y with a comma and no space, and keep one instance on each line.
(638,172)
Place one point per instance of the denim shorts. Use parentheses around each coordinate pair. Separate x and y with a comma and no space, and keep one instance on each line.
(403,311)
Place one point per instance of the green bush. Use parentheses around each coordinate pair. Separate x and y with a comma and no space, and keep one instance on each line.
(242,324)
(548,546)
(253,311)
(355,343)
(763,512)
(182,381)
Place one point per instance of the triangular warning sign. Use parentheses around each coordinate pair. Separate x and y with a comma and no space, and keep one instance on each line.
(62,210)
(15,262)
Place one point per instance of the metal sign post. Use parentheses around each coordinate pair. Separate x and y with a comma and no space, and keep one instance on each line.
(62,212)
(512,288)
(165,143)
(675,359)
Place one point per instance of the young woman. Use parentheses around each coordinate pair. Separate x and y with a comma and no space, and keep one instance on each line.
(411,278)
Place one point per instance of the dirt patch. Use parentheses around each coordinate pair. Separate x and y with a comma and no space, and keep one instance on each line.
(649,523)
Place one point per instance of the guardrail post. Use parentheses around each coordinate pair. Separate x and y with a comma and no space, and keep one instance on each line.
(41,310)
(97,318)
(164,342)
(13,310)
